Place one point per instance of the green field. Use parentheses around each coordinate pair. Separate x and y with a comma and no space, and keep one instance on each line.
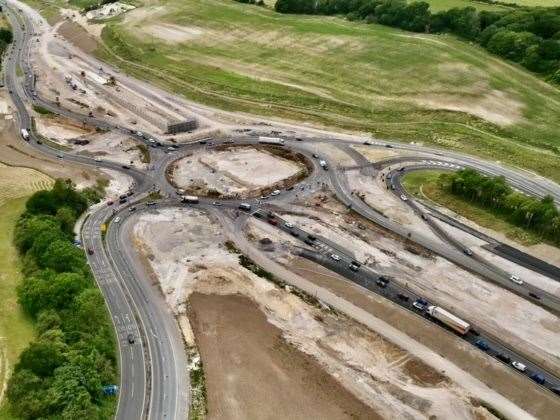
(329,71)
(16,330)
(425,186)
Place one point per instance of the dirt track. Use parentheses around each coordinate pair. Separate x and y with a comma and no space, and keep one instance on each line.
(252,373)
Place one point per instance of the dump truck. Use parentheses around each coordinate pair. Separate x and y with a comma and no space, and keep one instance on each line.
(25,134)
(452,321)
(271,140)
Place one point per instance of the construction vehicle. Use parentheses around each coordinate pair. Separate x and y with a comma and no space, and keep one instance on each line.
(449,319)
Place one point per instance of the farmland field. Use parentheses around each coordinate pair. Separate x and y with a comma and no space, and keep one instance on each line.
(394,84)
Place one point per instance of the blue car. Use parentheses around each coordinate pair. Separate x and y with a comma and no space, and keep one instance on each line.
(482,345)
(538,378)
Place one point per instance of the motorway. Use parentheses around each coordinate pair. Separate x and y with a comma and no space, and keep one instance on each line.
(153,370)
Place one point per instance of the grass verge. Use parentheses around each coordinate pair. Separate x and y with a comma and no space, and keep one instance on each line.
(16,329)
(424,185)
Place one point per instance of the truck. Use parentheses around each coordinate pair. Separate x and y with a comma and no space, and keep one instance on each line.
(25,134)
(189,199)
(271,140)
(452,321)
(324,165)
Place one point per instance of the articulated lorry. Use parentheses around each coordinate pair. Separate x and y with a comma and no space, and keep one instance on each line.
(462,327)
(25,134)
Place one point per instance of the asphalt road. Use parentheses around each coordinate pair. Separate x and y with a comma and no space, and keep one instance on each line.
(154,382)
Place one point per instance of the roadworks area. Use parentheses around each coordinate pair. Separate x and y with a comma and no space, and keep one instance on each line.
(259,338)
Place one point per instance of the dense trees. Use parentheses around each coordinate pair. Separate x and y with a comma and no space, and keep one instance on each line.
(61,373)
(529,36)
(538,215)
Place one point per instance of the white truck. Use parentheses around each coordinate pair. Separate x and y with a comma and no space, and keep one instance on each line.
(449,319)
(271,140)
(189,199)
(25,134)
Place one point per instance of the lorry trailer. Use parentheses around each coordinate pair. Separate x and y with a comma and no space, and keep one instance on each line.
(271,140)
(25,134)
(456,323)
(190,199)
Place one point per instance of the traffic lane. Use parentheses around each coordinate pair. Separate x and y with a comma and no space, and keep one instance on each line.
(161,331)
(131,362)
(369,279)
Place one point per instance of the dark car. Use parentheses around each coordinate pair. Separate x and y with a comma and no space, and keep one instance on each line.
(403,297)
(308,242)
(109,203)
(534,296)
(123,200)
(273,222)
(130,338)
(381,283)
(132,209)
(555,390)
(504,358)
(311,237)
(538,378)
(150,203)
(384,279)
(468,252)
(294,233)
(482,345)
(90,251)
(125,166)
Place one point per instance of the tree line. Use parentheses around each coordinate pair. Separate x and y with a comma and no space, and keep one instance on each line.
(529,36)
(61,373)
(538,215)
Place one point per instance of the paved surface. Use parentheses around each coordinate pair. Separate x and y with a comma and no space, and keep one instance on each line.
(154,378)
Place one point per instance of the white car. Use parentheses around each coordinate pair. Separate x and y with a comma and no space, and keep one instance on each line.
(151,140)
(275,192)
(97,159)
(117,219)
(289,225)
(335,257)
(403,197)
(516,279)
(519,366)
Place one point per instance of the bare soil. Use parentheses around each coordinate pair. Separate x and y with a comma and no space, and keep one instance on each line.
(78,36)
(253,373)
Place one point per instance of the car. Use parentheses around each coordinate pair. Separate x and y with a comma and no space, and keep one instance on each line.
(130,338)
(273,222)
(151,141)
(117,219)
(59,155)
(39,142)
(356,263)
(311,237)
(335,257)
(125,166)
(538,378)
(289,225)
(534,296)
(294,233)
(555,390)
(275,193)
(315,155)
(403,297)
(516,279)
(180,191)
(264,197)
(504,358)
(367,143)
(308,242)
(216,203)
(482,345)
(353,267)
(122,200)
(420,304)
(389,146)
(132,209)
(110,203)
(468,252)
(150,203)
(202,142)
(381,283)
(271,215)
(384,279)
(171,149)
(403,197)
(97,159)
(290,188)
(129,193)
(519,366)
(299,139)
(90,251)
